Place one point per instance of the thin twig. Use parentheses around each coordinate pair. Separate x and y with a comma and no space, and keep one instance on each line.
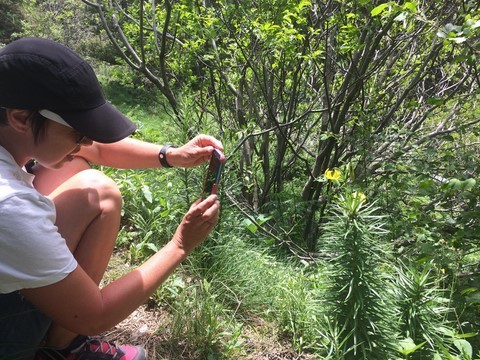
(290,245)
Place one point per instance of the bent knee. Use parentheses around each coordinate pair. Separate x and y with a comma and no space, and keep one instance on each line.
(82,200)
(106,188)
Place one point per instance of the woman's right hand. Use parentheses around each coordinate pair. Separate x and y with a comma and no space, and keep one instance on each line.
(197,223)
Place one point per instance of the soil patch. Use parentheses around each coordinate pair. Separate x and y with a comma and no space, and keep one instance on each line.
(149,326)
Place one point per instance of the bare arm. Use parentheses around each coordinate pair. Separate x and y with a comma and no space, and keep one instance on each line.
(135,154)
(89,310)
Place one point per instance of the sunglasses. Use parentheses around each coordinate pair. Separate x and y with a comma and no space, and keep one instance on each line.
(58,119)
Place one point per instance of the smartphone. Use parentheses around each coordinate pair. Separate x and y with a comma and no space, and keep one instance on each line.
(214,173)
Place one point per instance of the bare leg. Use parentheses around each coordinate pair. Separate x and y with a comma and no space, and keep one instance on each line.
(88,206)
(47,180)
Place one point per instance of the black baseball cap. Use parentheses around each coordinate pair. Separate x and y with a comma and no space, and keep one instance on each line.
(40,74)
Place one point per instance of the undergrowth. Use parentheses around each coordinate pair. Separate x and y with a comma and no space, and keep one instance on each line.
(355,302)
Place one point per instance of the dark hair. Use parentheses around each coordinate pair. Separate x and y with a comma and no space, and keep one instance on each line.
(39,125)
(37,121)
(3,116)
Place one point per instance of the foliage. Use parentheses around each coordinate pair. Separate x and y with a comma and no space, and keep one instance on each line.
(295,88)
(11,19)
(246,279)
(150,213)
(201,326)
(230,281)
(255,284)
(357,292)
(425,314)
(74,26)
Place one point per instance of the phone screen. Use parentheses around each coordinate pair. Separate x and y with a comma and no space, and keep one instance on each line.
(214,172)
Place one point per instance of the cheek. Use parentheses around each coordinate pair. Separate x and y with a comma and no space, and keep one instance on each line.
(51,151)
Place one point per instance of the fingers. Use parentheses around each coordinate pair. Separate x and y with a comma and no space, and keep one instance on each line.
(206,211)
(212,213)
(197,151)
(208,141)
(197,223)
(206,144)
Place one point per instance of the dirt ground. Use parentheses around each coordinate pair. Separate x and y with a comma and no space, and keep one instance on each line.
(148,326)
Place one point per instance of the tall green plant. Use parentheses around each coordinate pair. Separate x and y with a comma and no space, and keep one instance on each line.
(425,314)
(359,305)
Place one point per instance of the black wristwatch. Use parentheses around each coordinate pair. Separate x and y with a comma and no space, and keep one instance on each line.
(162,156)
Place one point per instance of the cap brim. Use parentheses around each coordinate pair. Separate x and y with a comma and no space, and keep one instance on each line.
(103,124)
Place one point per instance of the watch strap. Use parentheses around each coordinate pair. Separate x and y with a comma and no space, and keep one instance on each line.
(162,156)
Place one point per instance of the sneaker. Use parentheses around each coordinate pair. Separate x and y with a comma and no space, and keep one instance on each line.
(86,348)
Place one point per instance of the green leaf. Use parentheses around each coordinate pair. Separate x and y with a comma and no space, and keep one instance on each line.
(456,184)
(466,335)
(379,9)
(408,346)
(165,213)
(469,184)
(147,194)
(464,347)
(270,241)
(401,17)
(459,39)
(411,6)
(262,219)
(435,101)
(152,247)
(249,225)
(441,34)
(469,290)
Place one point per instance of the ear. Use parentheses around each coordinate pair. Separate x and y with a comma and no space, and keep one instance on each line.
(19,119)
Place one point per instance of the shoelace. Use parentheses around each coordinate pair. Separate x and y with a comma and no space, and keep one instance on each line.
(98,346)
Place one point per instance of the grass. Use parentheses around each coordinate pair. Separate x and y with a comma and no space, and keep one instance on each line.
(229,297)
(195,316)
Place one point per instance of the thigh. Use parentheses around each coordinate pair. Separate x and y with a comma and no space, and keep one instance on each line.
(47,180)
(22,327)
(81,195)
(87,202)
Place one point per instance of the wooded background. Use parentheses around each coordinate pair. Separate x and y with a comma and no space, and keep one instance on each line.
(330,112)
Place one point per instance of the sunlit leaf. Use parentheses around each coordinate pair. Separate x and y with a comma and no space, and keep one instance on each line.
(379,9)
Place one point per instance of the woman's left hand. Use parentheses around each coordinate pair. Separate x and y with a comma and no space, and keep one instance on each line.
(195,152)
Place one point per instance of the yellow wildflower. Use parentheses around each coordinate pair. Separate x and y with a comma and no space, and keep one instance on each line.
(332,174)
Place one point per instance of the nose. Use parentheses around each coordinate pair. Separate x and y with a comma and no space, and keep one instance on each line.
(84,141)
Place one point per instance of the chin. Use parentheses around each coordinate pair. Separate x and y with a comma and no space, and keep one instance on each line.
(54,166)
(61,164)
